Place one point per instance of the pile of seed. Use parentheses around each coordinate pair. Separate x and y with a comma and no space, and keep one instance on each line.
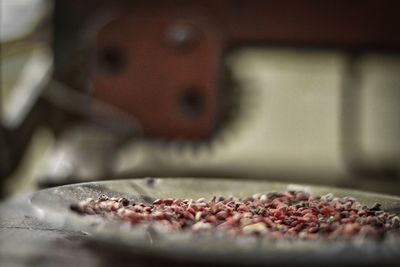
(292,214)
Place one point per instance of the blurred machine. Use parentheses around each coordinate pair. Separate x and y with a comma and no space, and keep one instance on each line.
(303,91)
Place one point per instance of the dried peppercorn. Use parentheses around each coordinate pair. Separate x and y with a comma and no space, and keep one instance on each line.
(272,215)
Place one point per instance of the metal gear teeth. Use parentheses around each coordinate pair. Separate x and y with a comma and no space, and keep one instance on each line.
(237,108)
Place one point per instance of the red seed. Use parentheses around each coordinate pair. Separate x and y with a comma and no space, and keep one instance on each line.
(192,211)
(157,202)
(222,215)
(168,201)
(211,219)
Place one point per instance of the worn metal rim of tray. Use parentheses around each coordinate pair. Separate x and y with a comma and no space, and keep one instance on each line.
(53,206)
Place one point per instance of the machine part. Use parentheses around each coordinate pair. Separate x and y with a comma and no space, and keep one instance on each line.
(272,134)
(289,126)
(182,35)
(87,148)
(54,205)
(307,26)
(18,100)
(163,70)
(26,58)
(93,111)
(169,59)
(26,63)
(370,110)
(166,54)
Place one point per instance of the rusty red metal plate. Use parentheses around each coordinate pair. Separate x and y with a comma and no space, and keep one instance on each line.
(162,69)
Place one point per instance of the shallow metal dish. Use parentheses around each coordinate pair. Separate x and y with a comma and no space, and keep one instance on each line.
(53,205)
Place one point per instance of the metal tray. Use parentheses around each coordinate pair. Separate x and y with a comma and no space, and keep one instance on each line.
(53,206)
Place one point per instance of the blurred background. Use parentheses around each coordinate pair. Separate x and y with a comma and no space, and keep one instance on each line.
(303,91)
